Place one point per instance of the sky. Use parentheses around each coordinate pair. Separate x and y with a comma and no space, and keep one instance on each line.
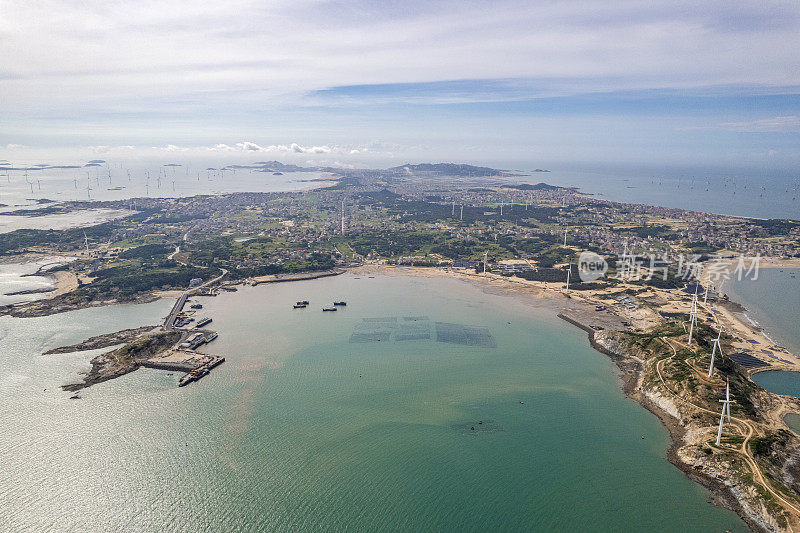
(366,82)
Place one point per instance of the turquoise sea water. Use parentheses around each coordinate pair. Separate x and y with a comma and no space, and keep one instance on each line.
(773,301)
(301,429)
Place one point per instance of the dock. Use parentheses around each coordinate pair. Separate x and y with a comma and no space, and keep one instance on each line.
(196,365)
(200,372)
(169,323)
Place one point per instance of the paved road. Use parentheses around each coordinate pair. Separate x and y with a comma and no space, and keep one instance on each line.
(178,307)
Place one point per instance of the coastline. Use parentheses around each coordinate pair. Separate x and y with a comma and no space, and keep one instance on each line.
(574,308)
(756,315)
(726,491)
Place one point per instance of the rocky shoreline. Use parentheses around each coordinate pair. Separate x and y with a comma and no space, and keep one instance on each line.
(724,492)
(124,360)
(103,341)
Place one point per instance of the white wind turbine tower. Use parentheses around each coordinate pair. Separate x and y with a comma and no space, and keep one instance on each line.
(86,243)
(565,237)
(693,315)
(714,351)
(485,258)
(461,216)
(705,296)
(454,208)
(569,269)
(342,217)
(726,409)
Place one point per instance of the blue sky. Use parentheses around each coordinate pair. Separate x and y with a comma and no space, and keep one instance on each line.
(366,82)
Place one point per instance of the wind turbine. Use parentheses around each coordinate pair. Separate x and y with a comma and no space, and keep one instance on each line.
(485,258)
(705,296)
(86,243)
(569,269)
(714,351)
(461,216)
(565,237)
(726,409)
(693,315)
(342,217)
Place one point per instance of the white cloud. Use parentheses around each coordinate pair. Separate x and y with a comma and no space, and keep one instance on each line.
(12,146)
(788,123)
(249,147)
(292,148)
(102,149)
(170,148)
(95,55)
(222,148)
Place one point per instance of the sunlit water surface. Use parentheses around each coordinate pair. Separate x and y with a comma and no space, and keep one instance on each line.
(302,430)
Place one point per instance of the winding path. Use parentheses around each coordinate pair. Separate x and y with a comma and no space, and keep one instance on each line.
(748,433)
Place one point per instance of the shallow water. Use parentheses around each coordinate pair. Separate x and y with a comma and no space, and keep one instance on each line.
(15,277)
(71,184)
(301,429)
(773,301)
(61,221)
(779,382)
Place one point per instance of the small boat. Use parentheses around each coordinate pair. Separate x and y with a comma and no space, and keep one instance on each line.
(196,306)
(299,306)
(342,303)
(304,302)
(329,309)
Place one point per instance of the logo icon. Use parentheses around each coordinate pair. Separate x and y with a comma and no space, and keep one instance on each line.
(591,266)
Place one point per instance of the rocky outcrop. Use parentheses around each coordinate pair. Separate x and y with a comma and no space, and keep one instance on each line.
(103,341)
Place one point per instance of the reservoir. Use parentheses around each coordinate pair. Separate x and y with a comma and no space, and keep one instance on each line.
(786,383)
(360,419)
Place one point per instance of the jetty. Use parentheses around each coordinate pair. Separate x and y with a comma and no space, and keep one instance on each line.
(279,278)
(169,323)
(196,365)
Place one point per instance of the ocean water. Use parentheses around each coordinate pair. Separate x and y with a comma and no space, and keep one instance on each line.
(15,277)
(773,302)
(71,184)
(302,429)
(766,196)
(61,221)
